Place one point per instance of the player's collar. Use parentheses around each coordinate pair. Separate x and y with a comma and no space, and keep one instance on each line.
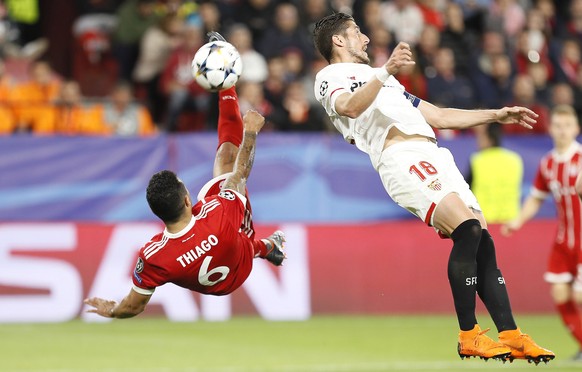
(182,232)
(566,155)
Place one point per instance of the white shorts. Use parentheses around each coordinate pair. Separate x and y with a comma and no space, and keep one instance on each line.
(418,175)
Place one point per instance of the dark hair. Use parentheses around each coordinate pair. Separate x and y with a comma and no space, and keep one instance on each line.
(494,133)
(165,195)
(325,28)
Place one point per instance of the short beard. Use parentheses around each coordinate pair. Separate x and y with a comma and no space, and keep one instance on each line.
(361,57)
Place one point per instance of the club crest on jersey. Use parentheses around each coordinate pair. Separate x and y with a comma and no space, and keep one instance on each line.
(139,265)
(323,88)
(227,194)
(435,185)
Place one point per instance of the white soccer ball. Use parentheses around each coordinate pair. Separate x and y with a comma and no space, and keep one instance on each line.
(216,66)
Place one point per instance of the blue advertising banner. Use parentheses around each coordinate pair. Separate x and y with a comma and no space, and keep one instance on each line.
(313,178)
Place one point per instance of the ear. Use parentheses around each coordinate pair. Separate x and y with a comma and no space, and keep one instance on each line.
(337,40)
(188,201)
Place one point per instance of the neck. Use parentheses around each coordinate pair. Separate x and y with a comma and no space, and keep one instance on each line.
(176,227)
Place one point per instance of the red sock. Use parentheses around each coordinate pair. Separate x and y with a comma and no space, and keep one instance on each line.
(230,124)
(571,318)
(260,248)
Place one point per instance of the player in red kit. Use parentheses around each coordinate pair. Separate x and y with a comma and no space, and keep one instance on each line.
(207,246)
(557,175)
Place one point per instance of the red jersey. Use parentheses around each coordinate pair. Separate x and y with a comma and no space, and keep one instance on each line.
(557,175)
(212,255)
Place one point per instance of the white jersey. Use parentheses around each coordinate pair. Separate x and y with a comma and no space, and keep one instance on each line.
(390,108)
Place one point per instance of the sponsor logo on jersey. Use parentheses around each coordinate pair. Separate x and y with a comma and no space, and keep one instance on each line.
(435,185)
(227,194)
(355,85)
(352,77)
(323,88)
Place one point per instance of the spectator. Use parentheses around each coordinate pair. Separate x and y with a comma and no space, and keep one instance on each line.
(492,44)
(209,16)
(274,86)
(380,47)
(525,54)
(539,74)
(124,117)
(254,64)
(524,94)
(134,17)
(180,88)
(157,44)
(286,33)
(495,89)
(256,14)
(299,114)
(251,96)
(431,13)
(404,19)
(569,62)
(446,88)
(427,48)
(7,117)
(498,189)
(369,15)
(34,98)
(71,114)
(506,16)
(311,11)
(458,38)
(414,80)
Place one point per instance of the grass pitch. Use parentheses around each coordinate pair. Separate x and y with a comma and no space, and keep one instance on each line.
(354,343)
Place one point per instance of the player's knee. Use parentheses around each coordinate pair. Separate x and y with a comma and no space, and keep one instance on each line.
(469,230)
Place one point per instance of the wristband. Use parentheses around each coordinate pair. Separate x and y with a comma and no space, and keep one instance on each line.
(382,75)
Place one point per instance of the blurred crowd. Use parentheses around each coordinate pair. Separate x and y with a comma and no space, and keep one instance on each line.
(123,67)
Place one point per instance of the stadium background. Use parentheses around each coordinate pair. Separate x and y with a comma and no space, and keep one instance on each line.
(73,212)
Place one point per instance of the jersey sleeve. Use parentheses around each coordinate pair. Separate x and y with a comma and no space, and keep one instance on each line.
(234,205)
(327,88)
(540,188)
(144,277)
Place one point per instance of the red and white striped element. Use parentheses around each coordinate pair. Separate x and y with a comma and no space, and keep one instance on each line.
(154,247)
(557,175)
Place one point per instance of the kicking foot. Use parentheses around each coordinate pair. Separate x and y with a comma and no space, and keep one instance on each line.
(275,245)
(475,343)
(215,36)
(523,347)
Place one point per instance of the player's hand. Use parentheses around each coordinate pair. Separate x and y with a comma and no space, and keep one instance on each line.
(101,306)
(400,57)
(517,115)
(509,228)
(253,121)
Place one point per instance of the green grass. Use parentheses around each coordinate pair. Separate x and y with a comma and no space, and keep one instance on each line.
(356,343)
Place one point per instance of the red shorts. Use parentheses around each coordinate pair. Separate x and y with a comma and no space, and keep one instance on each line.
(563,265)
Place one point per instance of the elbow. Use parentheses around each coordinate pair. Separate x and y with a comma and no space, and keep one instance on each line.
(350,113)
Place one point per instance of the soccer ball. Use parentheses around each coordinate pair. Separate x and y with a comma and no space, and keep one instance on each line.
(216,66)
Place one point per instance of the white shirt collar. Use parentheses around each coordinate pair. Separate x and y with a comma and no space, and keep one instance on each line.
(182,232)
(566,155)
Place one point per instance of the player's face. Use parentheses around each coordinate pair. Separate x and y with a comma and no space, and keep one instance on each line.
(563,129)
(356,44)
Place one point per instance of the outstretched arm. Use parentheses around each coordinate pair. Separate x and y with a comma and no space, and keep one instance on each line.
(237,180)
(530,208)
(451,118)
(354,104)
(132,305)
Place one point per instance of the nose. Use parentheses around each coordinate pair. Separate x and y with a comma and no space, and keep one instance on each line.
(366,39)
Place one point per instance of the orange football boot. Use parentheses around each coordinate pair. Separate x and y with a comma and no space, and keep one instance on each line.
(475,343)
(523,347)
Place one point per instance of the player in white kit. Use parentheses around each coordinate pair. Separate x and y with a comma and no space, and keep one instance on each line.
(373,111)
